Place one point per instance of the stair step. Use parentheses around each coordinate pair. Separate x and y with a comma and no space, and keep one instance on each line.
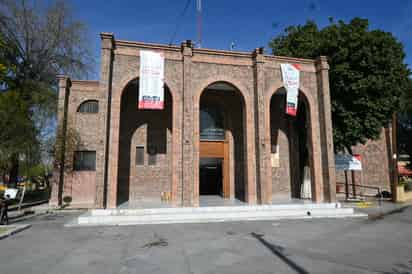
(195,215)
(182,210)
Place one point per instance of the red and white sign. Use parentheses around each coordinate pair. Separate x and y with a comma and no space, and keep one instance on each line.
(290,76)
(348,162)
(151,80)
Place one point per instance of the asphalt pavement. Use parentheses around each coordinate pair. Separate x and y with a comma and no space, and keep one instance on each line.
(358,245)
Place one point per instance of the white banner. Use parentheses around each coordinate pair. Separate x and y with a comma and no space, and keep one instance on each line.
(348,162)
(151,80)
(290,76)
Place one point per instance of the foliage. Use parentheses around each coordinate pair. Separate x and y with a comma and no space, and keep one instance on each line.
(368,75)
(38,39)
(408,185)
(71,142)
(17,132)
(405,134)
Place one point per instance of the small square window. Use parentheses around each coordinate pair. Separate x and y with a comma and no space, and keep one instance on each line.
(84,160)
(140,155)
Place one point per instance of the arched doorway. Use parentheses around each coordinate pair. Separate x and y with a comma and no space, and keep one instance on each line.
(291,149)
(222,142)
(145,149)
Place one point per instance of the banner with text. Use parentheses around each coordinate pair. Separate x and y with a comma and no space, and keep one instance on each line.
(290,76)
(348,162)
(151,80)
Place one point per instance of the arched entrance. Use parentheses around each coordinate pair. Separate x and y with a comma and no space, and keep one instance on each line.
(291,152)
(145,149)
(222,142)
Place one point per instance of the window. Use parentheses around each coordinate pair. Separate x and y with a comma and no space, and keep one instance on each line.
(140,155)
(211,123)
(84,160)
(91,106)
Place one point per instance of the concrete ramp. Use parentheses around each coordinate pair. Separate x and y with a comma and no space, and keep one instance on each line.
(110,217)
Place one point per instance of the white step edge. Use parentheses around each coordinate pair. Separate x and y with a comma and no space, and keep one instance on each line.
(215,220)
(213,217)
(173,210)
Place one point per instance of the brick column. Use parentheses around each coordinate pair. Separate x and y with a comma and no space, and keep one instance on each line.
(64,84)
(263,177)
(190,187)
(106,181)
(326,130)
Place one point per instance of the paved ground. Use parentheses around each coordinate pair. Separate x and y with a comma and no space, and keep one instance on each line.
(315,246)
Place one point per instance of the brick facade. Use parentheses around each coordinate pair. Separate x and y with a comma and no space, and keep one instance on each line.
(252,121)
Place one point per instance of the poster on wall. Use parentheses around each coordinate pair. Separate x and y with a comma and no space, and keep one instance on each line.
(290,76)
(348,162)
(151,80)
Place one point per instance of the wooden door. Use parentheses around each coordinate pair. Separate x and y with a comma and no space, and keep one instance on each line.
(218,149)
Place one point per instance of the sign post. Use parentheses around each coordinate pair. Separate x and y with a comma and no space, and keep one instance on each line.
(347,162)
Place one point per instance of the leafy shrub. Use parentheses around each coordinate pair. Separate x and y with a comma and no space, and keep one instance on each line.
(408,185)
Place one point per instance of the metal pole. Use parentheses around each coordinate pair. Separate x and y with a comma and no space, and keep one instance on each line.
(199,23)
(353,183)
(394,156)
(346,185)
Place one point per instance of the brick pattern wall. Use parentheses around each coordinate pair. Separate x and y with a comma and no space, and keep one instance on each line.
(375,163)
(281,176)
(188,71)
(153,130)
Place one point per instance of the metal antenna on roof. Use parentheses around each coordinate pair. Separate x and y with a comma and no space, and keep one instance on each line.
(179,21)
(199,22)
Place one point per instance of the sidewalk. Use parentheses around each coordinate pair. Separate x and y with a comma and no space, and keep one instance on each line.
(375,210)
(8,230)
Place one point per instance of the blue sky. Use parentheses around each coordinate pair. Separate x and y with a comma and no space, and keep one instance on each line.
(249,24)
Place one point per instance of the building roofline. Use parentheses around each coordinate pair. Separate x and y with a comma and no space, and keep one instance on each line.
(126,43)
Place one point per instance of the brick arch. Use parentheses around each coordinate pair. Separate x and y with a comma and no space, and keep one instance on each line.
(314,136)
(118,90)
(85,101)
(248,133)
(122,84)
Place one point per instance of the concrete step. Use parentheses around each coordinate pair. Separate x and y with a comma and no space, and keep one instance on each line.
(211,214)
(215,209)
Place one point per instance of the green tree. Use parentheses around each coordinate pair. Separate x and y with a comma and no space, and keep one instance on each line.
(19,134)
(368,75)
(38,40)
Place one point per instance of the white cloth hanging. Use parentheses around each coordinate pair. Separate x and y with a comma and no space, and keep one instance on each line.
(306,190)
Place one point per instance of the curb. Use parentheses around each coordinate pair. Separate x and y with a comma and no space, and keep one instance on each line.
(27,205)
(376,216)
(17,229)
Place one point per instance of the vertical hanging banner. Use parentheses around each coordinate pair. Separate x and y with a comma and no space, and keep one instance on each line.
(290,76)
(151,80)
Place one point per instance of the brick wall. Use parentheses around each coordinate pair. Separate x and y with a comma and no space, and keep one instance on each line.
(188,71)
(153,131)
(375,163)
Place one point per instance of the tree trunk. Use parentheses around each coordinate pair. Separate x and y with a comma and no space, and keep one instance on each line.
(14,171)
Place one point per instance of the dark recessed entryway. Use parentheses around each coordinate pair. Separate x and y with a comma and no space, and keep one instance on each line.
(210,176)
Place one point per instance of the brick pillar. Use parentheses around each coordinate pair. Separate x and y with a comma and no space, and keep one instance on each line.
(106,178)
(64,85)
(326,130)
(190,195)
(263,177)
